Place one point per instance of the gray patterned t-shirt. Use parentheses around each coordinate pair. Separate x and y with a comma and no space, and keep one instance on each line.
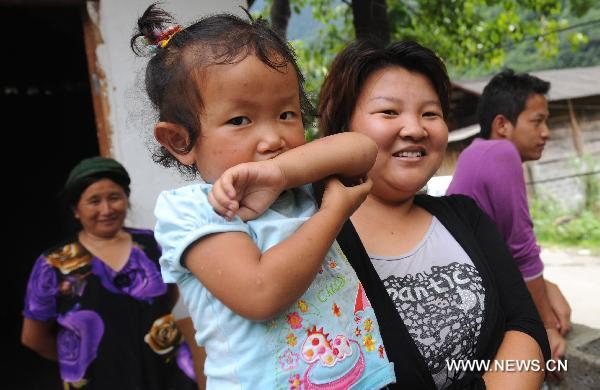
(440,297)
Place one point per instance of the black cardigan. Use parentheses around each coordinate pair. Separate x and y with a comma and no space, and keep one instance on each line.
(508,304)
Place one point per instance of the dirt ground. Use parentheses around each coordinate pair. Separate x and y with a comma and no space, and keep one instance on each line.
(577,273)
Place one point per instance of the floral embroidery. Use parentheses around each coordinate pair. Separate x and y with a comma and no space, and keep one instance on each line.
(332,264)
(295,382)
(164,335)
(357,318)
(75,385)
(77,342)
(69,258)
(368,325)
(185,361)
(294,320)
(336,310)
(73,284)
(357,331)
(140,278)
(291,340)
(289,360)
(381,352)
(369,343)
(303,306)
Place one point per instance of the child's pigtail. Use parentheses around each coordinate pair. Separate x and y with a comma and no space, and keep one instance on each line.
(155,28)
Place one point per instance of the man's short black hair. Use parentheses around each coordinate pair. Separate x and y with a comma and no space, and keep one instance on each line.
(506,94)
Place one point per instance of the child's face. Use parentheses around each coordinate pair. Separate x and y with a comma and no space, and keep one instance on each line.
(251,113)
(401,112)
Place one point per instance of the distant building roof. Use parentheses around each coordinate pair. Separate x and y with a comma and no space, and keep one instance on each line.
(567,83)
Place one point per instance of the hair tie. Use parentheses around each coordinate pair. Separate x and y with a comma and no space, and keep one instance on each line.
(160,39)
(167,35)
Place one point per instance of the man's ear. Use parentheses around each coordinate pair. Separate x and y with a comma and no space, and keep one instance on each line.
(501,127)
(175,139)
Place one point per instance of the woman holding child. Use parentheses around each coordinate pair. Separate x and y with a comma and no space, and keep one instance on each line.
(272,294)
(439,275)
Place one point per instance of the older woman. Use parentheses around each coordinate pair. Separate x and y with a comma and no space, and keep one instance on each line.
(97,303)
(438,274)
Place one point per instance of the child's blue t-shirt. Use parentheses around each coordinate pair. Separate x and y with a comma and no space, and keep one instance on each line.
(329,339)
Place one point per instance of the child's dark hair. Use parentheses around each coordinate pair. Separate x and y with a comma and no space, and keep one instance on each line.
(359,60)
(171,73)
(506,94)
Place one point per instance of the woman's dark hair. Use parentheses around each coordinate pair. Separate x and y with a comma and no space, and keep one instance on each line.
(359,60)
(173,71)
(506,94)
(72,194)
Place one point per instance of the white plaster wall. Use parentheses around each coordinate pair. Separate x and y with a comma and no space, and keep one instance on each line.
(130,116)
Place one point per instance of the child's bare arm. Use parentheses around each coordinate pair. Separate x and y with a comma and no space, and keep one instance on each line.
(346,154)
(258,286)
(249,189)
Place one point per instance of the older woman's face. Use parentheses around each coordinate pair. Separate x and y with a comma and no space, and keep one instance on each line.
(102,208)
(401,112)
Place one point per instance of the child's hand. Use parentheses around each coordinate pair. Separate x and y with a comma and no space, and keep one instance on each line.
(247,190)
(345,199)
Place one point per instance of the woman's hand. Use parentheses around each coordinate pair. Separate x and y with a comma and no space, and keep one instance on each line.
(247,190)
(345,199)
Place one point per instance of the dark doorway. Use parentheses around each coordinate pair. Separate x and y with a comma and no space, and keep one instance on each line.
(47,127)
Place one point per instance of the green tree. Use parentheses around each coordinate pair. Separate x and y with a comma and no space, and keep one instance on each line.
(465,33)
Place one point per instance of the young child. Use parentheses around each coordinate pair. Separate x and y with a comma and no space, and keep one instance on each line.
(274,300)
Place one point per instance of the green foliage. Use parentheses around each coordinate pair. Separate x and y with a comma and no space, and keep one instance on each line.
(577,47)
(467,34)
(554,226)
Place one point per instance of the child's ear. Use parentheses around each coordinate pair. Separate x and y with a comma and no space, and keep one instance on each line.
(175,139)
(502,127)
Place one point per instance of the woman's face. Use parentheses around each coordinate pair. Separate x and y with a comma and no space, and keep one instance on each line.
(401,112)
(102,208)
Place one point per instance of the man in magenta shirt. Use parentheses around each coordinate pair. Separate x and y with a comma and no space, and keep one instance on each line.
(512,114)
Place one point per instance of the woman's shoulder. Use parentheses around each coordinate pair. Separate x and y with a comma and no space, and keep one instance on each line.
(455,202)
(455,212)
(67,255)
(144,239)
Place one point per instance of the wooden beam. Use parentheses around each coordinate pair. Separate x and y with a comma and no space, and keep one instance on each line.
(98,86)
(42,3)
(575,130)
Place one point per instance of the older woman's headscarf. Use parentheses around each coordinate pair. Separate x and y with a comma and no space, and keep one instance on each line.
(94,166)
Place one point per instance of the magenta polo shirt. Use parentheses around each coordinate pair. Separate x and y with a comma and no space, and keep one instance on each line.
(491,172)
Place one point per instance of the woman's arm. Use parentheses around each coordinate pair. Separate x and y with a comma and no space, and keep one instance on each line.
(40,336)
(260,285)
(247,190)
(516,347)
